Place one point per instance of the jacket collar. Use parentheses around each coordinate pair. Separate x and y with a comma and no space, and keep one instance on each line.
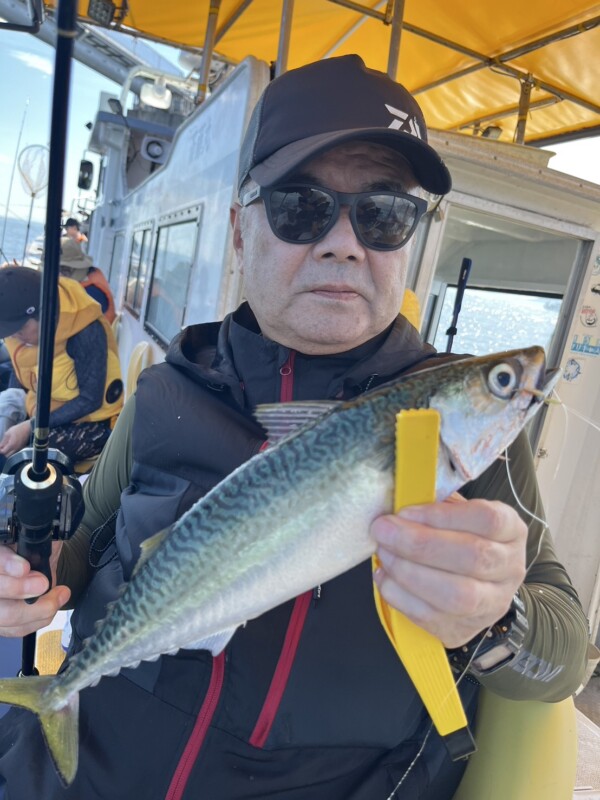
(225,355)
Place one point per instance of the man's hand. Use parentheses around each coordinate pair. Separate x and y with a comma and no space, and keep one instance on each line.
(18,581)
(451,567)
(15,438)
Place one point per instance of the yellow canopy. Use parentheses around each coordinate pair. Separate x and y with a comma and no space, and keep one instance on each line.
(465,60)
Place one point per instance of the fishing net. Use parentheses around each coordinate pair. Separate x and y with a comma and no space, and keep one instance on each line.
(33,168)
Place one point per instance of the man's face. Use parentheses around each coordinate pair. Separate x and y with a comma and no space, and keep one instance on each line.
(335,294)
(72,232)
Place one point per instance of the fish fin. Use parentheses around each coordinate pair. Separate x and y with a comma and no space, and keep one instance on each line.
(60,726)
(216,642)
(282,419)
(384,456)
(148,546)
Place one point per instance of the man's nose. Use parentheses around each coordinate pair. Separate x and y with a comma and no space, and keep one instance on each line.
(340,243)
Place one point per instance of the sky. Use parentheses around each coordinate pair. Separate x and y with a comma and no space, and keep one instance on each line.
(26,105)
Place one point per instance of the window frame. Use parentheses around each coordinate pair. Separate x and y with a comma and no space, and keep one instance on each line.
(168,221)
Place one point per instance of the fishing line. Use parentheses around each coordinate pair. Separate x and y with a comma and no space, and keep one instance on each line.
(568,410)
(527,511)
(427,735)
(484,635)
(12,174)
(411,765)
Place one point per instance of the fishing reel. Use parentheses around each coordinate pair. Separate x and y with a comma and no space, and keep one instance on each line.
(35,510)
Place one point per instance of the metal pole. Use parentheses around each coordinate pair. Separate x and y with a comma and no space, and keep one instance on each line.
(328,53)
(285,32)
(207,50)
(527,85)
(230,22)
(361,9)
(395,37)
(28,227)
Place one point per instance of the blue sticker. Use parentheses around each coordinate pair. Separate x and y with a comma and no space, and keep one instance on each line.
(572,369)
(586,345)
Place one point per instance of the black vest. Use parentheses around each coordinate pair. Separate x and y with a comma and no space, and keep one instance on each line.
(308,702)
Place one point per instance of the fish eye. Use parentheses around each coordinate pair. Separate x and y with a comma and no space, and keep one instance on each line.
(503,380)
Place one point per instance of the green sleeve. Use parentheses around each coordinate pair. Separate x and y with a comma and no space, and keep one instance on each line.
(552,661)
(102,497)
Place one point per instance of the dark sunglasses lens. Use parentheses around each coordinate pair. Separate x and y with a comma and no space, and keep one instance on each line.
(300,213)
(385,221)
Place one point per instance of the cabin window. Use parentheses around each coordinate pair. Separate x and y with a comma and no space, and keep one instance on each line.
(173,262)
(521,266)
(493,320)
(138,269)
(114,269)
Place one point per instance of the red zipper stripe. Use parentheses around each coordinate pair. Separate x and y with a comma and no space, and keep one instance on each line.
(282,671)
(198,735)
(287,379)
(279,681)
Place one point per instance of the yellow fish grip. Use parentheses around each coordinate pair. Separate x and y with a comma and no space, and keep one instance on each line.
(421,653)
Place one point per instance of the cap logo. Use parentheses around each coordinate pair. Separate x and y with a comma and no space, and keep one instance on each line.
(403,122)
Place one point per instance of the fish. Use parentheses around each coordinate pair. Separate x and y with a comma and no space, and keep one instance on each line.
(291,518)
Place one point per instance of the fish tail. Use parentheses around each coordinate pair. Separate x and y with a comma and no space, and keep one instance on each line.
(60,726)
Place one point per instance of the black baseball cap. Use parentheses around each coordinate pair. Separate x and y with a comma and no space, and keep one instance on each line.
(308,110)
(19,298)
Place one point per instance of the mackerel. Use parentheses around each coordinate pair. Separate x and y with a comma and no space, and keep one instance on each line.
(291,518)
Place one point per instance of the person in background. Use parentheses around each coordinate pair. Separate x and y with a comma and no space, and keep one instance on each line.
(76,264)
(73,231)
(87,390)
(308,701)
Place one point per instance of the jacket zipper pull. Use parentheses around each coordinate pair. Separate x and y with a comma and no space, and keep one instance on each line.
(316,594)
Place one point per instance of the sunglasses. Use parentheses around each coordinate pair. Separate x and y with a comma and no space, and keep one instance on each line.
(303,214)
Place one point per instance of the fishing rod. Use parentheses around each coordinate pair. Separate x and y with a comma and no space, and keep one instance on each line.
(41,499)
(465,269)
(12,174)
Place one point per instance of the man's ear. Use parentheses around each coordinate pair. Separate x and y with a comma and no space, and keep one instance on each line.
(238,240)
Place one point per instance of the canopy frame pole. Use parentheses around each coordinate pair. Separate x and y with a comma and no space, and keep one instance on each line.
(230,22)
(498,63)
(397,22)
(366,12)
(285,33)
(527,85)
(207,50)
(507,112)
(353,29)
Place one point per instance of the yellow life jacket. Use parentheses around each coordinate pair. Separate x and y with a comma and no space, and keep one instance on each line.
(77,311)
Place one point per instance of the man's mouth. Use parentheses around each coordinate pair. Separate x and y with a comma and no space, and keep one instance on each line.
(335,292)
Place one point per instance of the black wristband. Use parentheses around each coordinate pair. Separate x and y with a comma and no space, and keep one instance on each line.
(494,648)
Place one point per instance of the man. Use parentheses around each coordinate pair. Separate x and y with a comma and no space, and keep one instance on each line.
(75,264)
(87,390)
(73,231)
(310,699)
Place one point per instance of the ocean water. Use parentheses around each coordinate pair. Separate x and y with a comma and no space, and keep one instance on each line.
(15,239)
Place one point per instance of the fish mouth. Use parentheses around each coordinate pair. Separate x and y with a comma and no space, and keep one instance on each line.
(545,384)
(546,381)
